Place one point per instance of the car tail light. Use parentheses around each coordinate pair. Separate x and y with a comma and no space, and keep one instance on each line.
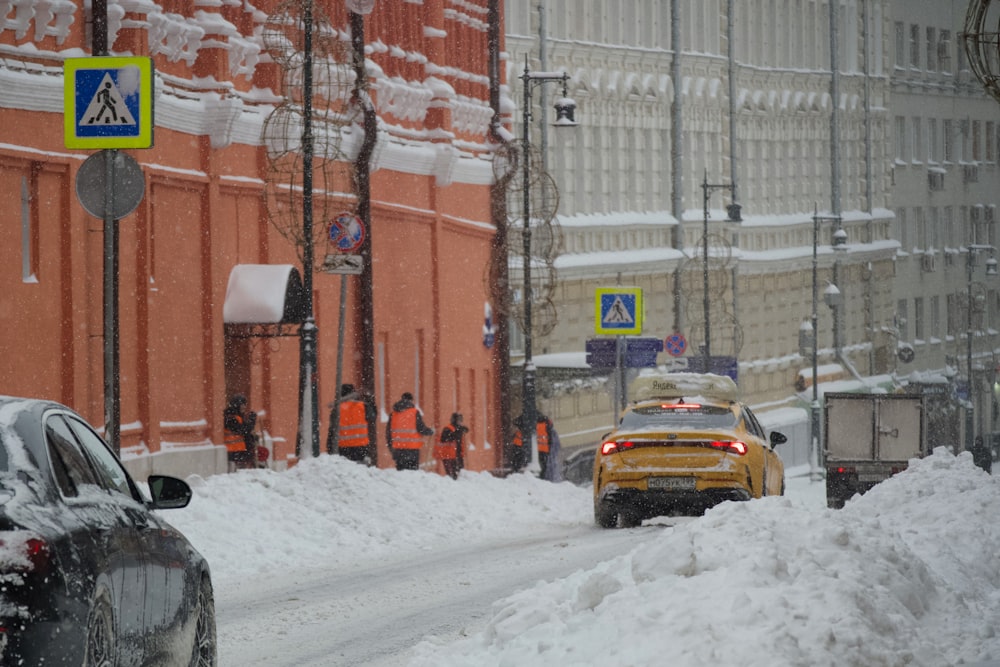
(612,447)
(845,470)
(734,446)
(31,554)
(681,406)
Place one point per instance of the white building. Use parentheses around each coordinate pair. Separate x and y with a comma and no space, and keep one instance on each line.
(896,145)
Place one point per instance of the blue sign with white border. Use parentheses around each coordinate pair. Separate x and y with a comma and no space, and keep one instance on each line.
(108,102)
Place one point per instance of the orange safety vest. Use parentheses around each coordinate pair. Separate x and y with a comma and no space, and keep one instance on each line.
(543,437)
(404,430)
(542,434)
(446,450)
(234,441)
(353,426)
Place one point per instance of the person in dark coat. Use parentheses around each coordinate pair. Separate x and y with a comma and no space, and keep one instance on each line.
(405,433)
(241,440)
(981,454)
(519,452)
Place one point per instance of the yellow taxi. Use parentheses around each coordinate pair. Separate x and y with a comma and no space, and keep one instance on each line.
(684,444)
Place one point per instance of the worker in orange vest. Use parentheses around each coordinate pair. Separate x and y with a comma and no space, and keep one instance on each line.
(450,449)
(405,433)
(241,441)
(348,432)
(548,447)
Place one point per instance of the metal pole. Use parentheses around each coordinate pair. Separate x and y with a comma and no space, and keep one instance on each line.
(969,416)
(814,410)
(528,418)
(365,326)
(707,349)
(333,447)
(112,375)
(676,161)
(308,440)
(500,285)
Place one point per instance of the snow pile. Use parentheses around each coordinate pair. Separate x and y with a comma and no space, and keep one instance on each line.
(908,574)
(327,511)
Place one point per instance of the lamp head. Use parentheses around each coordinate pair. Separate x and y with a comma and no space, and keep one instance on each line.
(565,112)
(991,267)
(832,296)
(840,239)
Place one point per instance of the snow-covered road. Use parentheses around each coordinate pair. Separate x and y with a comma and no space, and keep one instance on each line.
(373,613)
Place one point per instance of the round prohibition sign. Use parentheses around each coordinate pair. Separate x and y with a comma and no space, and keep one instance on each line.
(675,344)
(347,232)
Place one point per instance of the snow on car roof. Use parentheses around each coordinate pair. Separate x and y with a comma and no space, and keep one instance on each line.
(657,385)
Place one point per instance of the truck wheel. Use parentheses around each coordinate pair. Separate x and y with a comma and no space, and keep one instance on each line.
(605,515)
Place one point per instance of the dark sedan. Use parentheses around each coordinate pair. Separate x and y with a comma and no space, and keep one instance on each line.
(89,574)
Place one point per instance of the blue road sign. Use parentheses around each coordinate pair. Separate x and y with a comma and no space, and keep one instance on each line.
(108,102)
(727,366)
(637,352)
(618,310)
(601,345)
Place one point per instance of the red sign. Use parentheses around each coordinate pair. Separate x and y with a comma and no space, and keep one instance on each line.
(675,344)
(347,232)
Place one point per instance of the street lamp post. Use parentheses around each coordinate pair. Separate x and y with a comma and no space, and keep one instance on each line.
(814,430)
(991,270)
(565,108)
(308,436)
(733,213)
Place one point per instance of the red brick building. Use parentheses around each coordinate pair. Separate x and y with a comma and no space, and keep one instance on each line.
(205,211)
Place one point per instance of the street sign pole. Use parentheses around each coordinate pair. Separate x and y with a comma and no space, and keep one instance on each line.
(112,385)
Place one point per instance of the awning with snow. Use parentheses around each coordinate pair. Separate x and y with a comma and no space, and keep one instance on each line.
(264,294)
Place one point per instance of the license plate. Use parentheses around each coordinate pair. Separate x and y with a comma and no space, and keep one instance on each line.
(671,483)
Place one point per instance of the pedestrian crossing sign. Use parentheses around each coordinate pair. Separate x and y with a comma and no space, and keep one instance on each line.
(108,102)
(618,311)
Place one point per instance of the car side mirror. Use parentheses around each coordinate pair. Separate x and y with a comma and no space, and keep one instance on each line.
(168,492)
(777,438)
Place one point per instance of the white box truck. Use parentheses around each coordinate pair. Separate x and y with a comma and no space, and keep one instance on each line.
(868,438)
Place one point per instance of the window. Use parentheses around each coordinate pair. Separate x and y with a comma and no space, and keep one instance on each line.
(903,231)
(918,318)
(901,320)
(30,215)
(955,312)
(934,323)
(71,470)
(921,228)
(900,128)
(915,46)
(932,140)
(991,141)
(109,471)
(931,49)
(900,43)
(918,141)
(948,134)
(944,50)
(977,143)
(933,228)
